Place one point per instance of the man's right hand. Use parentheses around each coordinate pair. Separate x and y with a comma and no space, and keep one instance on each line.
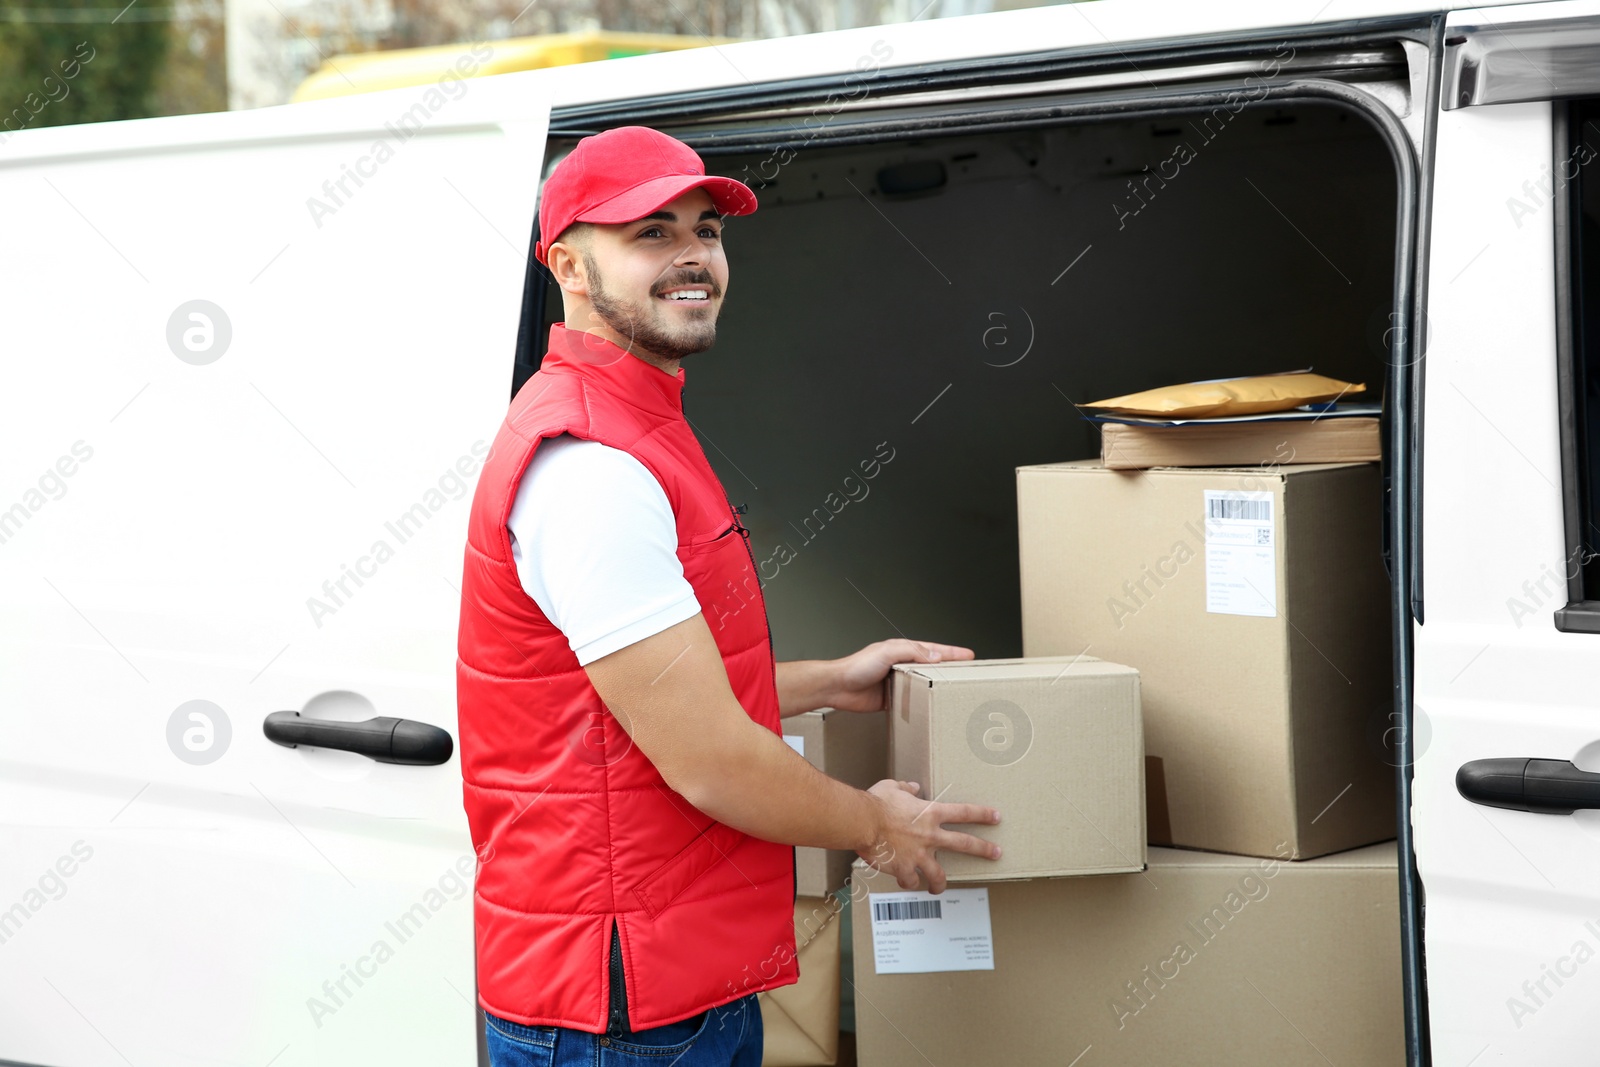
(910,828)
(670,693)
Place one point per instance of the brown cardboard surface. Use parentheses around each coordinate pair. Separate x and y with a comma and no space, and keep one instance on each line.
(801,1021)
(852,746)
(1055,743)
(1264,728)
(1351,439)
(1203,959)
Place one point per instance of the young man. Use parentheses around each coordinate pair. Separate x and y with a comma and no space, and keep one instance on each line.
(630,796)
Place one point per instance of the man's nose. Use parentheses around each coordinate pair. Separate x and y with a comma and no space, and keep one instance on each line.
(694,252)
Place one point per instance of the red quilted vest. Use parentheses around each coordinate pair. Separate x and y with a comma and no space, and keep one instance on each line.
(574,827)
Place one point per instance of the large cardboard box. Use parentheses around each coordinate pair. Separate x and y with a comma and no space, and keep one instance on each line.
(800,1022)
(1203,959)
(1255,606)
(1054,743)
(852,746)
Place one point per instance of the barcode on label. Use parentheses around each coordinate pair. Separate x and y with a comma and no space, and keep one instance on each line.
(885,910)
(1233,508)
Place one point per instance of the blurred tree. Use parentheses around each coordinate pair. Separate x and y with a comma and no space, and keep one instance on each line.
(299,35)
(75,62)
(65,61)
(195,76)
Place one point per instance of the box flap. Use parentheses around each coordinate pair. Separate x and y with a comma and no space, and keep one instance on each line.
(801,1020)
(1379,855)
(1094,466)
(1383,854)
(990,670)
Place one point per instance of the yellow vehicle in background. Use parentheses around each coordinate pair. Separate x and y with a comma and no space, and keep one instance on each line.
(365,72)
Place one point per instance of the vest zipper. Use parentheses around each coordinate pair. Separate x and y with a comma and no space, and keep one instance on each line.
(619,991)
(772,656)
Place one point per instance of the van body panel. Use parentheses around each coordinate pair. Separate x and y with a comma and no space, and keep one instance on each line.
(198,529)
(254,362)
(1097,26)
(1510,900)
(1510,55)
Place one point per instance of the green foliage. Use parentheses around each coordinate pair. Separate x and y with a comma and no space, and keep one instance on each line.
(68,61)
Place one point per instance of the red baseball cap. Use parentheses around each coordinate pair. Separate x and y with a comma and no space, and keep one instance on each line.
(625,174)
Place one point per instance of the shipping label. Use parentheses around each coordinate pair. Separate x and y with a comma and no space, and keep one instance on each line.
(1241,553)
(917,933)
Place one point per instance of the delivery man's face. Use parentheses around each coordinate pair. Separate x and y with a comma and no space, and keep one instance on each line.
(657,283)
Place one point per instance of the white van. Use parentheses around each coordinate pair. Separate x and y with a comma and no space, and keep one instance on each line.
(253,362)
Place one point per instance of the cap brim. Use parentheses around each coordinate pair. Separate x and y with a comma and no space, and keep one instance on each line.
(729,195)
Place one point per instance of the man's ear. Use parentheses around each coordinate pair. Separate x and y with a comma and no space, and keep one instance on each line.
(566,266)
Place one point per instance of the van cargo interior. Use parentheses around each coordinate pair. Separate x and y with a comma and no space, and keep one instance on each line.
(929,311)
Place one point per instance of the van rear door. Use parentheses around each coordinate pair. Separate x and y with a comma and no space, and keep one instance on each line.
(1507,677)
(253,363)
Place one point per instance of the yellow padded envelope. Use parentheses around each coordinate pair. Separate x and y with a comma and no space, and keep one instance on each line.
(1228,397)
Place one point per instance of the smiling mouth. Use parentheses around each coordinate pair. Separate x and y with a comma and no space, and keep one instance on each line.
(694,298)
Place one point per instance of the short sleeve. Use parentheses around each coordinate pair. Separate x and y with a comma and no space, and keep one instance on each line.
(596,546)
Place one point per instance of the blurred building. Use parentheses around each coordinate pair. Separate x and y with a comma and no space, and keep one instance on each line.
(273,45)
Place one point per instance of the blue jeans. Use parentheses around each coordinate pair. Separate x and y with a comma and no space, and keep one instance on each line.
(729,1036)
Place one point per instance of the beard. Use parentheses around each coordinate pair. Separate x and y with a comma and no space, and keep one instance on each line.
(653,328)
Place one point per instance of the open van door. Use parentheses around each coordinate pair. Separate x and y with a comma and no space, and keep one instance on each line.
(1507,732)
(253,363)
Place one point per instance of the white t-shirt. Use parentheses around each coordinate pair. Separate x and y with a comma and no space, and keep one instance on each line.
(602,560)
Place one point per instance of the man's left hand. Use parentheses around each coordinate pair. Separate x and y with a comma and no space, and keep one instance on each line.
(862,679)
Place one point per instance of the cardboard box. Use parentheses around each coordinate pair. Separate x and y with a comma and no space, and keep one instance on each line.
(852,746)
(1055,743)
(1255,605)
(1202,959)
(800,1022)
(1341,439)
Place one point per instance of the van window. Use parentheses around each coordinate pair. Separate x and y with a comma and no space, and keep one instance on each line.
(1577,181)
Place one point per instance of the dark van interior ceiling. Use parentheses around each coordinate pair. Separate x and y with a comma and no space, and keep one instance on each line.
(929,311)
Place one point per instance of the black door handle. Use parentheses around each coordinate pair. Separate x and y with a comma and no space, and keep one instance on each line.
(1545,786)
(385,738)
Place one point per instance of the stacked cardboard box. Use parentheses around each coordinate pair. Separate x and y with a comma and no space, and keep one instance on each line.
(800,1022)
(1204,959)
(1255,606)
(1284,437)
(1251,607)
(851,746)
(1055,743)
